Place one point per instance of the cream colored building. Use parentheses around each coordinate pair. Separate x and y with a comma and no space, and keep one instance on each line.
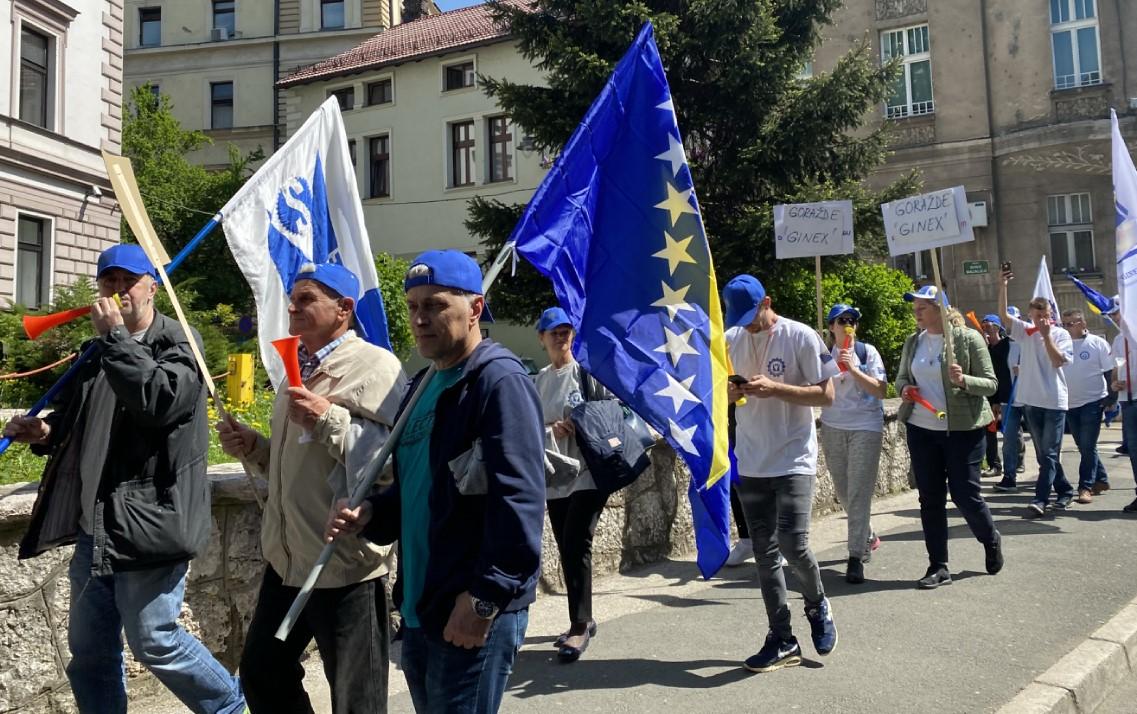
(1011,99)
(219,60)
(59,105)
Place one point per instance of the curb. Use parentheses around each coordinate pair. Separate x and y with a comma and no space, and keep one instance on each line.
(1083,679)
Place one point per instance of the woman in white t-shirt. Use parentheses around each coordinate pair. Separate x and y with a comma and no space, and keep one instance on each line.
(574,502)
(851,432)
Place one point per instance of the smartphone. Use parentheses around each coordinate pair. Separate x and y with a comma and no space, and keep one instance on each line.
(1007,266)
(737,379)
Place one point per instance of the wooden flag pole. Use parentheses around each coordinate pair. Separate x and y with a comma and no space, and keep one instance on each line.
(817,277)
(948,349)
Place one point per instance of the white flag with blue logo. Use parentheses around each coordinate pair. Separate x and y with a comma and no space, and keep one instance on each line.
(1044,289)
(1125,199)
(301,207)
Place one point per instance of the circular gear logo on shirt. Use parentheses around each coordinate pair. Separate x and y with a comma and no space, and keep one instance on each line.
(1084,354)
(776,367)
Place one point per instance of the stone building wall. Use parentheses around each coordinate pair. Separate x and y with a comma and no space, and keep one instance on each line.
(647,522)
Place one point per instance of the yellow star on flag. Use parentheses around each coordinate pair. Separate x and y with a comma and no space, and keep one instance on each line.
(673,300)
(677,203)
(675,251)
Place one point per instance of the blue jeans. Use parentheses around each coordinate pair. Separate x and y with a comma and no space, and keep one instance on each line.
(1085,427)
(446,679)
(1012,441)
(1129,426)
(1046,427)
(145,604)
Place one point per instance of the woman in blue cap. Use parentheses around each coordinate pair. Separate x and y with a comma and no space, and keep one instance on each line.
(851,432)
(575,504)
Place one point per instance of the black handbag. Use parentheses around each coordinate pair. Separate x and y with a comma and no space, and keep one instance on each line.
(613,440)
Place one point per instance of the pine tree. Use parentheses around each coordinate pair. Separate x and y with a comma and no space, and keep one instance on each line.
(756,132)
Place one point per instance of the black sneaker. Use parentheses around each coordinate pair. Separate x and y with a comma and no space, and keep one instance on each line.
(1132,507)
(1062,502)
(994,552)
(1006,486)
(775,654)
(1035,510)
(936,576)
(822,629)
(854,571)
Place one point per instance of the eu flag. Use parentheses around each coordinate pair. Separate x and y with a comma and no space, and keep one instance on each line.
(616,226)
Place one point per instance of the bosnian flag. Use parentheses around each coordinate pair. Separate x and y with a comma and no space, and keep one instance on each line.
(1125,199)
(301,207)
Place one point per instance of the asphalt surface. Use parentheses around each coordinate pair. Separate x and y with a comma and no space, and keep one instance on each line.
(669,641)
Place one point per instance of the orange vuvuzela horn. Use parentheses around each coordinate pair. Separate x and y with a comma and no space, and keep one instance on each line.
(287,348)
(849,332)
(919,399)
(36,325)
(974,320)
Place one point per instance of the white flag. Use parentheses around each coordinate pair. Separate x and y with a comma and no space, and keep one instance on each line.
(1125,198)
(301,207)
(1043,288)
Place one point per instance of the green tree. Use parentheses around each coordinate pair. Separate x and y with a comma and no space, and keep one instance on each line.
(756,132)
(391,271)
(180,196)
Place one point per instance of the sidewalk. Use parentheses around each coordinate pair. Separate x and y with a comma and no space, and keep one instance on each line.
(671,642)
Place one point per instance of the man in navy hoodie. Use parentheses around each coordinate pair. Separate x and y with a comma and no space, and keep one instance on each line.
(467,505)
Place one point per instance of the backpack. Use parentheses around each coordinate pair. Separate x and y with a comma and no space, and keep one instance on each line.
(612,439)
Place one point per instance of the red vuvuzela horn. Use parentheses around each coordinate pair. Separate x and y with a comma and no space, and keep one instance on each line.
(36,325)
(287,348)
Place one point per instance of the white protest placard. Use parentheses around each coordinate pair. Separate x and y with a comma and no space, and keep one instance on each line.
(930,220)
(803,230)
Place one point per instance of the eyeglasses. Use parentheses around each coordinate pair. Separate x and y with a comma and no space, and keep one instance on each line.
(1072,323)
(846,320)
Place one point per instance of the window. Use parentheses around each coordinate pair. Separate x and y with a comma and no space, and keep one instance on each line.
(501,149)
(462,154)
(380,153)
(1071,228)
(380,92)
(156,93)
(149,26)
(35,79)
(912,90)
(225,16)
(459,76)
(1074,42)
(346,97)
(221,105)
(32,262)
(351,150)
(331,14)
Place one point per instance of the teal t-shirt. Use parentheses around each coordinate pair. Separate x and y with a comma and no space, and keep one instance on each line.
(413,455)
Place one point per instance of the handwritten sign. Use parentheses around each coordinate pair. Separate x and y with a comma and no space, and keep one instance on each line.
(930,220)
(803,230)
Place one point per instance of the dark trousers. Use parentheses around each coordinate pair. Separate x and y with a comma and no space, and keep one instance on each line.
(994,461)
(736,512)
(1085,426)
(574,522)
(349,625)
(948,462)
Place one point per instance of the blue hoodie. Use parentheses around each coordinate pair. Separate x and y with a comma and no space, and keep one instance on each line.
(487,544)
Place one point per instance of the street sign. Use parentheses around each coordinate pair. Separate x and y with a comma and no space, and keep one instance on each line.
(975,267)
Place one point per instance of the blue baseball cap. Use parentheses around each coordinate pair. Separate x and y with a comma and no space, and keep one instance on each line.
(741,298)
(842,309)
(928,292)
(992,318)
(336,278)
(553,317)
(447,269)
(127,256)
(1014,311)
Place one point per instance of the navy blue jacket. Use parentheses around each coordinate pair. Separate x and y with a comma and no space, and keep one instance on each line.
(488,543)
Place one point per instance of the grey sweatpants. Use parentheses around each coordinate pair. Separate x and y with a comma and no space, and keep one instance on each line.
(853,458)
(777,512)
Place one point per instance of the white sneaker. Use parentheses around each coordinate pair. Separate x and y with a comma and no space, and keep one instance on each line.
(742,551)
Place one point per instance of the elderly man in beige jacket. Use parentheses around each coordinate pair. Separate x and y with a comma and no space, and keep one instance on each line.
(323,435)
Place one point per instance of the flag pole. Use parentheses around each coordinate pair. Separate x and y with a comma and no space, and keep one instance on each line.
(194,242)
(948,347)
(364,486)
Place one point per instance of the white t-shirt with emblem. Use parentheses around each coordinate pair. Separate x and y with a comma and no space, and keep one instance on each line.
(774,437)
(1084,374)
(1124,371)
(1041,384)
(853,408)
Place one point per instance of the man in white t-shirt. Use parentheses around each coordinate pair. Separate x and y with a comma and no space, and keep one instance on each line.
(1086,378)
(1123,351)
(1042,391)
(783,370)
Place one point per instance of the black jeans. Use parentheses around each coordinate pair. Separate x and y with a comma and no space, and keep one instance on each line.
(574,522)
(944,462)
(349,625)
(737,512)
(994,460)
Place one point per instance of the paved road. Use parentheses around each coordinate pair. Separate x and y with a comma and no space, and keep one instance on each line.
(671,642)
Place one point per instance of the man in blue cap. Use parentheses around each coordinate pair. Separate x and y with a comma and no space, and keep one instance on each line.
(999,347)
(324,435)
(125,482)
(468,503)
(783,370)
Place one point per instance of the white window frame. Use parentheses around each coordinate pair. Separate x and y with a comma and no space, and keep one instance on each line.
(385,134)
(49,257)
(468,59)
(908,58)
(1061,220)
(1071,27)
(56,39)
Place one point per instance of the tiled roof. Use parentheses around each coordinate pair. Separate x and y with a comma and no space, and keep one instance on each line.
(431,35)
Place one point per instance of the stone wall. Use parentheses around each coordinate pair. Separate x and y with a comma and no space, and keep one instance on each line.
(647,522)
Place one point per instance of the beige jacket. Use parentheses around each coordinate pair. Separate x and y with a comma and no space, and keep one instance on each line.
(365,385)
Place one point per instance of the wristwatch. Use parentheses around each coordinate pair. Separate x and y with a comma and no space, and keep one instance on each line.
(483,608)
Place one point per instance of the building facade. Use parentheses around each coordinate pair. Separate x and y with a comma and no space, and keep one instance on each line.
(219,60)
(1010,99)
(59,106)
